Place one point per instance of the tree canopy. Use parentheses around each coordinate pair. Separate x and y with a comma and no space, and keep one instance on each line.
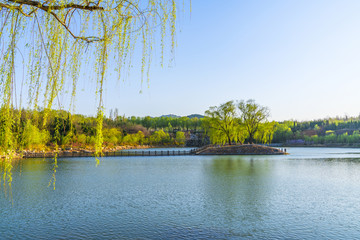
(221,122)
(230,123)
(252,115)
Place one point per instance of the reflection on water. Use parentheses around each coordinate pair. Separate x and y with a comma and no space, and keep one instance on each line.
(238,166)
(237,187)
(310,194)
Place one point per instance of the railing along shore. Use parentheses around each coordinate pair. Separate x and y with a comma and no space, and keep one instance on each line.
(134,153)
(111,154)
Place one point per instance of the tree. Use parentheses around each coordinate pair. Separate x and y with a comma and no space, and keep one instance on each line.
(252,115)
(57,34)
(59,39)
(159,137)
(180,138)
(282,133)
(195,123)
(265,132)
(111,115)
(147,122)
(33,137)
(112,136)
(221,123)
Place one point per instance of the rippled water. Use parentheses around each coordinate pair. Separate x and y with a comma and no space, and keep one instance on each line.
(314,193)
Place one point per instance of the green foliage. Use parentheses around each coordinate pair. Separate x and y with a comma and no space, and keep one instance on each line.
(225,125)
(252,115)
(131,139)
(69,139)
(160,138)
(180,138)
(329,131)
(99,135)
(66,130)
(343,138)
(331,138)
(140,138)
(265,132)
(282,133)
(166,123)
(91,140)
(81,139)
(315,139)
(57,42)
(33,138)
(112,136)
(221,123)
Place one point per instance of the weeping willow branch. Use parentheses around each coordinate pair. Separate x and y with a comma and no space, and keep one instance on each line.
(19,5)
(59,37)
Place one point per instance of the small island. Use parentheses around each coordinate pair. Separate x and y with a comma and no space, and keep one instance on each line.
(244,149)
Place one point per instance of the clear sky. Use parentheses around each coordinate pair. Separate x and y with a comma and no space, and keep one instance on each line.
(299,58)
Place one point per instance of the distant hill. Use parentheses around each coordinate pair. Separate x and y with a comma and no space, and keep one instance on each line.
(176,116)
(170,115)
(196,116)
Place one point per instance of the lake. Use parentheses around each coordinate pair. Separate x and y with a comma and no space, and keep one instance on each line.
(313,193)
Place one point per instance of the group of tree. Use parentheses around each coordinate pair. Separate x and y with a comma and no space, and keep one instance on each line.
(326,131)
(238,122)
(68,130)
(228,123)
(246,121)
(167,123)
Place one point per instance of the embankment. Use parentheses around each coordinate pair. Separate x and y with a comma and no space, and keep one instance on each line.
(246,149)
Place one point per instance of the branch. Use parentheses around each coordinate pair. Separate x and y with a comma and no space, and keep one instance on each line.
(44,7)
(50,10)
(87,39)
(11,7)
(71,7)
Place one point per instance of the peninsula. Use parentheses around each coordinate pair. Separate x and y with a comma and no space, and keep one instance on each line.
(244,149)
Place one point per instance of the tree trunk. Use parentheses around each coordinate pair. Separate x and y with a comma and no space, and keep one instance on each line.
(251,139)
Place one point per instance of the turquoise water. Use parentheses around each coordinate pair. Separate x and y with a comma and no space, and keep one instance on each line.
(313,193)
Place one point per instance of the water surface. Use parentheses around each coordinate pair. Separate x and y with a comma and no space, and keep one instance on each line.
(313,193)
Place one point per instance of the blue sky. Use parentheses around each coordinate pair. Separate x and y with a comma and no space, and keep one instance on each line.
(299,58)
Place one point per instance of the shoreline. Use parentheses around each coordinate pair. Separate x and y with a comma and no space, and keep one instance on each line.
(71,152)
(209,150)
(245,149)
(319,146)
(80,152)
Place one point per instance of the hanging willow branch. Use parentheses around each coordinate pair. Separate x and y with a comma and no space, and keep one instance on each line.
(28,8)
(59,37)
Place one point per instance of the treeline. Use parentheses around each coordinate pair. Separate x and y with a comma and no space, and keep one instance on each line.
(169,124)
(239,122)
(326,131)
(65,130)
(74,130)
